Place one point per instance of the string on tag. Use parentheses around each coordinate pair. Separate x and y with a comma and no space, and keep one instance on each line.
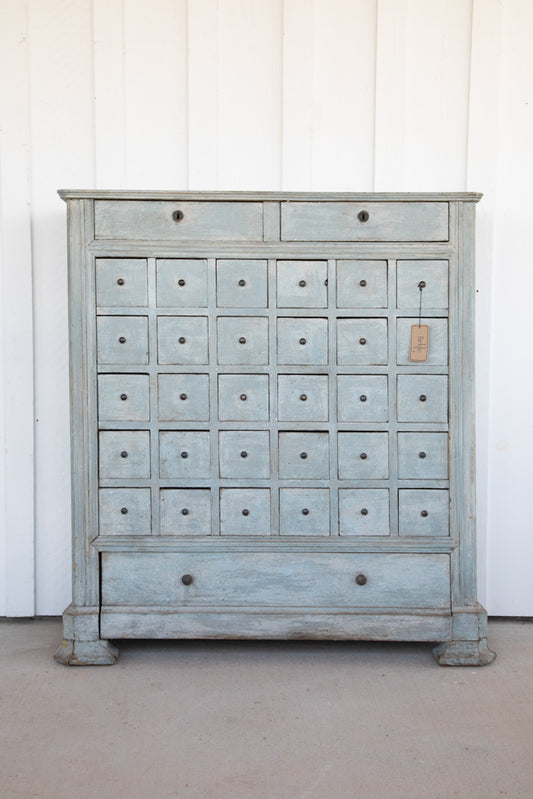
(421,286)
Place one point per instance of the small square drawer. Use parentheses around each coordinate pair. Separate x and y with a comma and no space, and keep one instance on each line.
(364,511)
(125,511)
(243,398)
(124,453)
(242,283)
(362,284)
(303,398)
(122,339)
(302,341)
(121,282)
(183,398)
(185,511)
(182,340)
(244,453)
(179,220)
(242,340)
(434,277)
(304,456)
(438,340)
(363,456)
(184,454)
(245,511)
(362,398)
(362,342)
(423,456)
(422,398)
(123,398)
(302,284)
(181,283)
(424,511)
(364,221)
(304,511)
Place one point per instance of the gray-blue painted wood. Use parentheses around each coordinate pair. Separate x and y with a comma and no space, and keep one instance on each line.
(245,416)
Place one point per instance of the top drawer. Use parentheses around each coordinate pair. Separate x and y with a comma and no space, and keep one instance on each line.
(373,221)
(149,220)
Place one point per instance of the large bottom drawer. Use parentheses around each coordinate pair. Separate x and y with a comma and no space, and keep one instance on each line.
(274,579)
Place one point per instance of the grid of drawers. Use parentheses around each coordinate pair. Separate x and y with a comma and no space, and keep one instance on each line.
(271,397)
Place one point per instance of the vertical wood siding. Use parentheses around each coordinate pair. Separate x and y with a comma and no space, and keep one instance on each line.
(358,95)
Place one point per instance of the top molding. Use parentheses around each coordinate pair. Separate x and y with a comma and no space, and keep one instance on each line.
(127,194)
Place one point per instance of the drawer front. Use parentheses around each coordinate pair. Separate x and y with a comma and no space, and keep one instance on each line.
(183,398)
(303,398)
(362,284)
(434,276)
(123,398)
(302,284)
(125,511)
(304,456)
(122,339)
(363,456)
(181,283)
(185,511)
(184,454)
(182,340)
(304,511)
(354,221)
(424,511)
(364,511)
(423,456)
(438,340)
(362,342)
(273,579)
(154,220)
(245,511)
(124,453)
(302,341)
(362,398)
(242,340)
(121,282)
(243,398)
(422,398)
(244,453)
(242,283)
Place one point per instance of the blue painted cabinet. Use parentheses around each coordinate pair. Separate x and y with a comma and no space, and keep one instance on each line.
(255,453)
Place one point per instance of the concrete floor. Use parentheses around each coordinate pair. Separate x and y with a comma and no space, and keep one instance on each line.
(265,720)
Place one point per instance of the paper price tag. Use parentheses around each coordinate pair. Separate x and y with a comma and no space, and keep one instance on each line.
(419,346)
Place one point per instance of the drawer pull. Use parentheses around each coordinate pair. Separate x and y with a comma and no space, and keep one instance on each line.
(424,513)
(181,282)
(303,397)
(364,511)
(183,396)
(302,283)
(362,341)
(245,512)
(360,579)
(187,579)
(362,283)
(182,339)
(185,511)
(303,341)
(244,454)
(363,456)
(123,397)
(243,397)
(122,340)
(124,511)
(422,284)
(123,454)
(184,454)
(363,216)
(305,511)
(177,216)
(421,454)
(242,340)
(422,398)
(303,455)
(242,282)
(120,281)
(363,398)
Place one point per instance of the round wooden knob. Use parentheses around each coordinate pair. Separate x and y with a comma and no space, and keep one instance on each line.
(360,579)
(187,579)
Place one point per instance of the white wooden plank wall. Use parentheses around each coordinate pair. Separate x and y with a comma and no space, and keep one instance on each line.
(355,95)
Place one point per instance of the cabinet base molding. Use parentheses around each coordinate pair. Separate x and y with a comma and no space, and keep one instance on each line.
(464,653)
(86,653)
